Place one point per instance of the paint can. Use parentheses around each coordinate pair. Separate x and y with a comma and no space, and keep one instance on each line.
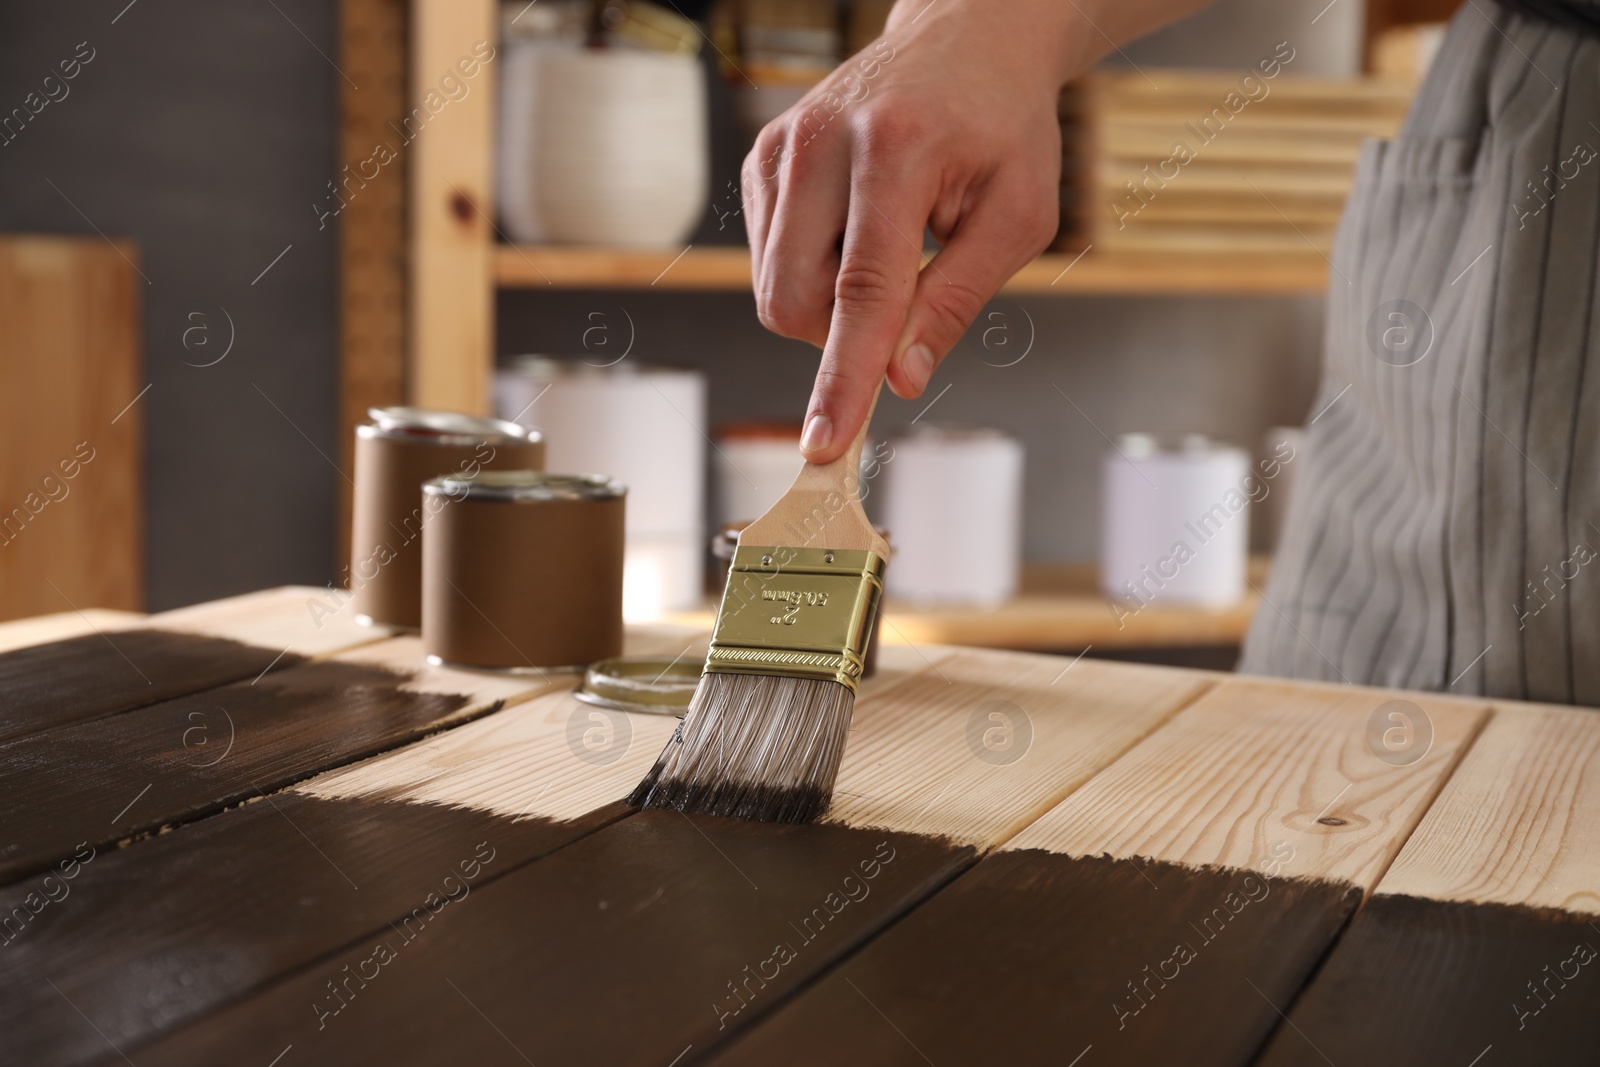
(522,570)
(1176,527)
(395,453)
(954,495)
(727,540)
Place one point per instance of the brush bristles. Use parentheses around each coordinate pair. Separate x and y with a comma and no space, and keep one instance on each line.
(753,747)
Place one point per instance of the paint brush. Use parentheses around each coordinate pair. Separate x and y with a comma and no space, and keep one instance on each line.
(767,724)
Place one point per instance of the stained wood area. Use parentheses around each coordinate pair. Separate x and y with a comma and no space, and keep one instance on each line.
(136,662)
(744,912)
(180,759)
(141,939)
(71,447)
(1483,939)
(1164,912)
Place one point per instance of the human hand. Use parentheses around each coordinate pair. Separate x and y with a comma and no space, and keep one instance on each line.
(947,122)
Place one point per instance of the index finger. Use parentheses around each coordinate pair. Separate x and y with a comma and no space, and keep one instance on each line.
(872,296)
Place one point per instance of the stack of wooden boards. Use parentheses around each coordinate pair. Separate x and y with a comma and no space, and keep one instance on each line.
(358,858)
(1178,161)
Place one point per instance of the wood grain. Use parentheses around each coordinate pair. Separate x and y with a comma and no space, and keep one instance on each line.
(715,896)
(450,299)
(43,629)
(181,759)
(171,654)
(1255,763)
(71,458)
(143,938)
(1519,821)
(1162,913)
(1482,939)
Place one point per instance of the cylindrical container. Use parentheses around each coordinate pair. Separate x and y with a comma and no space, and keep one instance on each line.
(752,467)
(395,453)
(726,542)
(1175,522)
(522,570)
(645,426)
(954,499)
(601,147)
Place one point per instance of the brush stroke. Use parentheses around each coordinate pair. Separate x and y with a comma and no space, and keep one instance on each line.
(1428,981)
(45,687)
(623,948)
(64,788)
(1032,957)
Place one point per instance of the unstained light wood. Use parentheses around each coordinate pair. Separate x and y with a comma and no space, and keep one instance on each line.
(42,629)
(1255,763)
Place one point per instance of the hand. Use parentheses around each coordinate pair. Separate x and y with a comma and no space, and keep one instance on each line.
(947,122)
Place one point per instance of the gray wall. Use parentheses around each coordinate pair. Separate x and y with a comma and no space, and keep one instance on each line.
(1229,368)
(204,131)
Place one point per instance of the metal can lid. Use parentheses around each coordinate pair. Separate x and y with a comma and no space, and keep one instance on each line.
(652,684)
(525,485)
(430,423)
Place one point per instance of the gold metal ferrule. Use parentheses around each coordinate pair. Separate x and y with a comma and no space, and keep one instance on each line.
(797,613)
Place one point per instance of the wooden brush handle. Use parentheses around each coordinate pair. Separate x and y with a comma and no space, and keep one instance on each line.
(822,509)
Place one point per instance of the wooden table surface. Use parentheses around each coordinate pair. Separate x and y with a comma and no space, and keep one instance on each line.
(254,832)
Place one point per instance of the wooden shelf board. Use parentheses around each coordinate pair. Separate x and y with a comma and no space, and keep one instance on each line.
(1059,609)
(727,269)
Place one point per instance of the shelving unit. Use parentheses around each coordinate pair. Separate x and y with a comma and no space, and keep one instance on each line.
(457,261)
(728,270)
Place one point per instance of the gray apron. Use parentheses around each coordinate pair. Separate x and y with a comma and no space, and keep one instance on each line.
(1445,532)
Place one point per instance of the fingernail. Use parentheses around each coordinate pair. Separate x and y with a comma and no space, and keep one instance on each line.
(819,431)
(918,364)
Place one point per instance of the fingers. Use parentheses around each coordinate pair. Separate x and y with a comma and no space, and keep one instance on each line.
(1007,228)
(758,194)
(889,202)
(794,286)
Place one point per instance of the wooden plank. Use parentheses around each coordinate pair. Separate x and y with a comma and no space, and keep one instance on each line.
(71,457)
(675,916)
(144,938)
(1480,944)
(181,759)
(450,302)
(43,629)
(372,55)
(171,654)
(1160,914)
(728,270)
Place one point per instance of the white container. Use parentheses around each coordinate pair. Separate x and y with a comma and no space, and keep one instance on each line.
(753,465)
(952,499)
(644,426)
(1175,522)
(601,146)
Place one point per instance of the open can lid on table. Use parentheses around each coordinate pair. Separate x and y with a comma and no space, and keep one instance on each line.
(651,684)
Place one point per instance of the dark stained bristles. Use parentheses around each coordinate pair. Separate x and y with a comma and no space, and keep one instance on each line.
(753,747)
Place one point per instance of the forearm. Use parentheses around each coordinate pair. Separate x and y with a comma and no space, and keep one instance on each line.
(1053,39)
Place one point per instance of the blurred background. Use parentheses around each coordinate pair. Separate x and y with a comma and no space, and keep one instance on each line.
(230,230)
